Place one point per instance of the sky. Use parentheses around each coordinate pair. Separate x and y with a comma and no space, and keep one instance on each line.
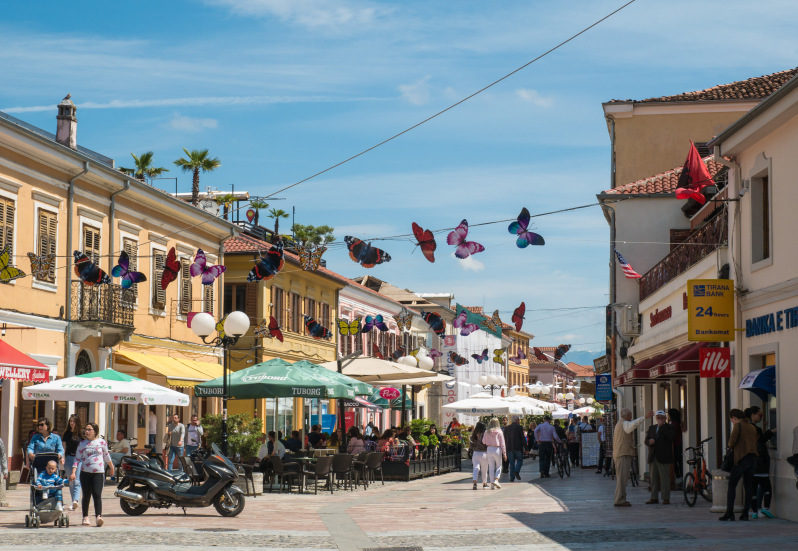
(281,89)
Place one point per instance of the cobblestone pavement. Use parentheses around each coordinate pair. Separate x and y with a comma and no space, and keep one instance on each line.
(440,512)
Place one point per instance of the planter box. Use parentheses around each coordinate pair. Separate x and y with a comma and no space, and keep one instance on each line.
(401,470)
(448,462)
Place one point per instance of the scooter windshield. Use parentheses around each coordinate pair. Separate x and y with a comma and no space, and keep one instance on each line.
(219,455)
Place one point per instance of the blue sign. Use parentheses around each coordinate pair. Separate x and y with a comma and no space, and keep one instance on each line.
(604,387)
(327,423)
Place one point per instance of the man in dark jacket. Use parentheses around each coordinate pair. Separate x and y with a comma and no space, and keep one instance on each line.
(659,439)
(515,442)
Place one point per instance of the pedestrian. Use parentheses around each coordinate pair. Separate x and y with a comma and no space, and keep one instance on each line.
(193,435)
(90,460)
(315,437)
(743,442)
(355,443)
(659,439)
(120,448)
(763,490)
(479,460)
(675,420)
(44,482)
(3,473)
(623,452)
(45,441)
(72,437)
(176,432)
(515,443)
(531,443)
(545,436)
(454,426)
(153,428)
(584,426)
(573,440)
(497,450)
(602,436)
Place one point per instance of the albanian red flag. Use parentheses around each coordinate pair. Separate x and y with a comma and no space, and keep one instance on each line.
(694,177)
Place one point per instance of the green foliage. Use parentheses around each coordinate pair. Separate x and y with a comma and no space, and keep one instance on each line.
(226,199)
(419,426)
(422,440)
(276,214)
(258,204)
(143,168)
(433,440)
(312,235)
(243,433)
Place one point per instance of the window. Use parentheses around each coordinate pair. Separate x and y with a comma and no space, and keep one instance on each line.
(158,294)
(7,207)
(46,243)
(295,313)
(131,247)
(207,298)
(760,218)
(310,310)
(91,243)
(278,305)
(324,316)
(185,286)
(235,297)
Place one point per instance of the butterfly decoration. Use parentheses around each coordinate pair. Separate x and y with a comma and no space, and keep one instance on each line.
(561,351)
(457,359)
(268,265)
(364,254)
(461,322)
(170,269)
(540,355)
(88,272)
(434,353)
(122,269)
(434,321)
(310,257)
(374,321)
(220,327)
(493,322)
(498,355)
(347,328)
(518,316)
(481,357)
(398,353)
(403,319)
(375,350)
(40,266)
(519,358)
(200,268)
(8,272)
(316,330)
(521,229)
(458,238)
(426,241)
(271,329)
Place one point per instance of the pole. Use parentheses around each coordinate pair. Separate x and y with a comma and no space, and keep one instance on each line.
(404,405)
(341,419)
(224,398)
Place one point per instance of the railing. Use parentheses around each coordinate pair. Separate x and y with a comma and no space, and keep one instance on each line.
(698,244)
(107,303)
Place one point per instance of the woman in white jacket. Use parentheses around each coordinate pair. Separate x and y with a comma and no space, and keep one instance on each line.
(478,451)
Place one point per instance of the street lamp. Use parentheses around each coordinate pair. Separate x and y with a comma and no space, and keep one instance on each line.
(491,382)
(235,325)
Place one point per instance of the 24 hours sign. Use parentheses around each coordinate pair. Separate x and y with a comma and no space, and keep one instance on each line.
(710,310)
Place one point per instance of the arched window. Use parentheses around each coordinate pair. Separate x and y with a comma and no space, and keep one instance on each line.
(83,363)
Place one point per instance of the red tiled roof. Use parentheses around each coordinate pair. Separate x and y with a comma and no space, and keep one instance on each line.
(546,350)
(582,370)
(664,183)
(755,88)
(475,309)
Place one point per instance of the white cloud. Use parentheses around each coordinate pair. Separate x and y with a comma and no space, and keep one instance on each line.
(308,13)
(534,97)
(191,124)
(470,264)
(417,93)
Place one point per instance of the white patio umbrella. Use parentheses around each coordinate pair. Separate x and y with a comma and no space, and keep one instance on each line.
(587,410)
(107,385)
(541,404)
(483,403)
(530,408)
(375,370)
(560,413)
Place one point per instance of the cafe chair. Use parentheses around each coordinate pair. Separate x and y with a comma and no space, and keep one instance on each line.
(321,469)
(374,464)
(284,475)
(342,468)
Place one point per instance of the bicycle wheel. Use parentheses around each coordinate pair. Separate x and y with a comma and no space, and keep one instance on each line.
(560,470)
(690,490)
(706,488)
(567,466)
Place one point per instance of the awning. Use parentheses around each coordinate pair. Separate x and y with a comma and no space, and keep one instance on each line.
(359,402)
(761,382)
(177,372)
(18,365)
(210,369)
(683,360)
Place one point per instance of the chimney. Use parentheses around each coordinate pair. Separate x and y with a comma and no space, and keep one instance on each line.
(67,130)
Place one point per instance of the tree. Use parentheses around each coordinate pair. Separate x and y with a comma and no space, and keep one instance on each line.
(194,161)
(144,168)
(312,235)
(276,214)
(258,204)
(225,200)
(243,433)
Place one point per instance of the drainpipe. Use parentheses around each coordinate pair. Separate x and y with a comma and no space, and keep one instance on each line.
(611,123)
(111,220)
(68,292)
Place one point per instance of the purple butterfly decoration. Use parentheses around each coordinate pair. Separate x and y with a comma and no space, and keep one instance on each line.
(374,321)
(517,359)
(521,229)
(434,353)
(461,322)
(481,357)
(122,269)
(200,267)
(458,238)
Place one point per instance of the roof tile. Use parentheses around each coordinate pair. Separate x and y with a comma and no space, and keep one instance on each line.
(664,183)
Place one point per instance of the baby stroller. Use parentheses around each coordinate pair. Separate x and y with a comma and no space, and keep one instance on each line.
(44,511)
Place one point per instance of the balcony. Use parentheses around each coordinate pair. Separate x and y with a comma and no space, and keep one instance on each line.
(706,239)
(104,311)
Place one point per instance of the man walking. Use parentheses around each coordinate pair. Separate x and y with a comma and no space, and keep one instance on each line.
(546,435)
(602,436)
(659,440)
(177,438)
(515,442)
(623,452)
(193,436)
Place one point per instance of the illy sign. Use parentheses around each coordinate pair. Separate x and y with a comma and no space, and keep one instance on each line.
(715,362)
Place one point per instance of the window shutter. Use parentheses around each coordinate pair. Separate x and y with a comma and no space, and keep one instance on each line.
(158,294)
(7,227)
(185,286)
(91,243)
(251,302)
(207,299)
(131,247)
(47,236)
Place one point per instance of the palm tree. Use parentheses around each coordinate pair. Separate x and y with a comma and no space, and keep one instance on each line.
(225,201)
(194,161)
(258,204)
(277,214)
(144,168)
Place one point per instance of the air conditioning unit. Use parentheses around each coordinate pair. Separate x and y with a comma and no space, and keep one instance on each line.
(629,320)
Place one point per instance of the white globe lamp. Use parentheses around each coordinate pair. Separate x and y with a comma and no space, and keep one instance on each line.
(203,324)
(236,324)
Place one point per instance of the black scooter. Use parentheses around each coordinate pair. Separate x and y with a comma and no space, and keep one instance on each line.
(146,484)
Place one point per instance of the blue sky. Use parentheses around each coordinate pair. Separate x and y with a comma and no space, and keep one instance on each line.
(279,89)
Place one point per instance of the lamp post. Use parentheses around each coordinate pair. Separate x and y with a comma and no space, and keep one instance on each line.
(491,382)
(235,325)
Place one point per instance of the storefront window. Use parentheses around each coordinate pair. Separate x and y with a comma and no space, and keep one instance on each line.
(285,415)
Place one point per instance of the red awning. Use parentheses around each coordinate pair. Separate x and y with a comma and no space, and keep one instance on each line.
(683,360)
(18,365)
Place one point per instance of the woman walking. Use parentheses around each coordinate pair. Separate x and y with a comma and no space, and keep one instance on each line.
(72,437)
(497,451)
(478,450)
(90,458)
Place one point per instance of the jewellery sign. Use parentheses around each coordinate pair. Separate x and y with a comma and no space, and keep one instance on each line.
(710,310)
(714,362)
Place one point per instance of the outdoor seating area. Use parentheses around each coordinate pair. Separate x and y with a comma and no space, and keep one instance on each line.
(308,470)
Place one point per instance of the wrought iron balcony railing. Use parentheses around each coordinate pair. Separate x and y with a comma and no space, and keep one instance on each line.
(701,242)
(103,303)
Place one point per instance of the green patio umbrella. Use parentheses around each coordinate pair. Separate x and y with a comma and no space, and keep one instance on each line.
(276,378)
(361,388)
(378,400)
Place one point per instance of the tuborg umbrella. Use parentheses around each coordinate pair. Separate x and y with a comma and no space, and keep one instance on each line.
(360,388)
(107,385)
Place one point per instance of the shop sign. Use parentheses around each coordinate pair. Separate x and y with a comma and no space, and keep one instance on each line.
(657,317)
(601,365)
(710,310)
(389,393)
(604,387)
(770,323)
(714,362)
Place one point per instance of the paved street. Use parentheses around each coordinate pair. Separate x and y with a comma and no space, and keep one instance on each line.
(435,513)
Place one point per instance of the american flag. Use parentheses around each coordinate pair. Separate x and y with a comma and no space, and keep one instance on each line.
(628,271)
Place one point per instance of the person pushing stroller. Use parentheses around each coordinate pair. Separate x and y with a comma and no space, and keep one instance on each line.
(49,484)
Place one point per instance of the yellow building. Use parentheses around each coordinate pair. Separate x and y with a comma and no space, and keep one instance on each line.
(56,198)
(518,358)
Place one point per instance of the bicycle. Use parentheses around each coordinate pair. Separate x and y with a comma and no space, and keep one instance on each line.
(697,481)
(562,460)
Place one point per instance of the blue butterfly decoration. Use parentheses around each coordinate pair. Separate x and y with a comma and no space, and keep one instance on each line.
(122,269)
(481,357)
(521,229)
(374,321)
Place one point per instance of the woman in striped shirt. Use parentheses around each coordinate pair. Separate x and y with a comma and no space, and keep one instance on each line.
(91,457)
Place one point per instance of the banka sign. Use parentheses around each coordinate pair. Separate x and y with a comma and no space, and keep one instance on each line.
(770,323)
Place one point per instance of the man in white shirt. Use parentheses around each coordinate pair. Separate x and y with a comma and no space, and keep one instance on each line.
(624,452)
(602,436)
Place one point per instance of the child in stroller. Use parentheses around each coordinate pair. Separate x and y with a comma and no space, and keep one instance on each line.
(50,484)
(46,504)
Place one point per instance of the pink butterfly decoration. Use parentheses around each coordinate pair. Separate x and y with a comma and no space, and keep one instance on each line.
(434,353)
(458,238)
(461,323)
(200,267)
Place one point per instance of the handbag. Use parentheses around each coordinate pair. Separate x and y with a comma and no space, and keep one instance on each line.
(728,461)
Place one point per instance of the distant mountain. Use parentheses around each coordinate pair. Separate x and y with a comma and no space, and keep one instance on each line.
(582,357)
